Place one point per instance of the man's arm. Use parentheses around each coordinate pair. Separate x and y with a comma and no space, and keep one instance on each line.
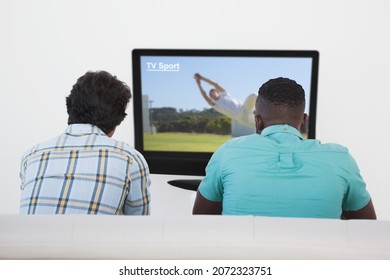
(203,206)
(137,201)
(210,82)
(367,212)
(202,91)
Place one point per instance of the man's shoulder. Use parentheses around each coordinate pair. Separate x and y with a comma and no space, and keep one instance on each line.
(59,143)
(128,150)
(246,141)
(336,154)
(309,146)
(316,145)
(124,147)
(47,144)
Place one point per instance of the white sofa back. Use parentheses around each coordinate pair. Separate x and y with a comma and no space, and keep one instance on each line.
(190,237)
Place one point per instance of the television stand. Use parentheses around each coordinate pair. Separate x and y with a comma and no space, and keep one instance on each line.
(187,184)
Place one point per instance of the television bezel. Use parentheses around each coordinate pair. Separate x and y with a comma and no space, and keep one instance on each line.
(194,163)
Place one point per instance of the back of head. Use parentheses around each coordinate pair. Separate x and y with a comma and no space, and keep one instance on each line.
(281,101)
(98,98)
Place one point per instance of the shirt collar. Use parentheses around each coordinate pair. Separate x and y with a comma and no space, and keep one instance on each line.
(281,128)
(80,129)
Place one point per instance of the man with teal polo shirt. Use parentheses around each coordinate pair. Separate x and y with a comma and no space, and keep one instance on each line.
(275,172)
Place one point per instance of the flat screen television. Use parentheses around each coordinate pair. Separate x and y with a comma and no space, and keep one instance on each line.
(176,130)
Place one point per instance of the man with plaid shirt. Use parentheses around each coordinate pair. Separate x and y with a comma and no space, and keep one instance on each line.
(84,170)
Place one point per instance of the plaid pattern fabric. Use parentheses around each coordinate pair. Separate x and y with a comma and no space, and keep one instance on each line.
(84,172)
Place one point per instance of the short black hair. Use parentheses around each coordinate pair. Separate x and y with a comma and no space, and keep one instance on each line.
(98,98)
(283,94)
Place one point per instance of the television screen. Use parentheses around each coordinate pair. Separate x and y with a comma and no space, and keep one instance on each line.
(178,124)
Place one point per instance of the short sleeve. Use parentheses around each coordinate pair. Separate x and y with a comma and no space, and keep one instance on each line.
(357,195)
(138,198)
(211,186)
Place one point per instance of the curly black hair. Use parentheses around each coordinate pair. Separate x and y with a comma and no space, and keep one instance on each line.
(283,94)
(98,98)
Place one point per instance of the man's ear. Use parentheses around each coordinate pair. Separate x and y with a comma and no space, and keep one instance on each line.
(305,119)
(259,124)
(111,133)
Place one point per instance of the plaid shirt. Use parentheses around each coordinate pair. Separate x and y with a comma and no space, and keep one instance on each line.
(84,172)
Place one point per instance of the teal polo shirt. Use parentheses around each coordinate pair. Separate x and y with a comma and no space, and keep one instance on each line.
(278,173)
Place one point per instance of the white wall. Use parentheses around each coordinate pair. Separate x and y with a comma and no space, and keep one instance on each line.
(46,45)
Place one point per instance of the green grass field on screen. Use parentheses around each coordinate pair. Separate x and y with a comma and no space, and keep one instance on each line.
(183,142)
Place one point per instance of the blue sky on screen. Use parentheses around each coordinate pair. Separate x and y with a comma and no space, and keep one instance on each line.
(169,81)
